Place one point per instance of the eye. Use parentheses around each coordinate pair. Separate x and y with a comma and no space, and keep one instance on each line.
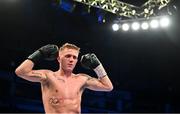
(68,56)
(74,57)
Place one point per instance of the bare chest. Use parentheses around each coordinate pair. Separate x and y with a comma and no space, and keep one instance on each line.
(66,88)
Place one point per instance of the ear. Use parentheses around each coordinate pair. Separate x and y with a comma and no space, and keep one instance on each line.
(58,58)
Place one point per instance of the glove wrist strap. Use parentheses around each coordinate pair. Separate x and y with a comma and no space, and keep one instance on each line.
(100,71)
(35,57)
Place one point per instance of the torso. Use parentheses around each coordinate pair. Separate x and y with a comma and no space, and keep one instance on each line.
(62,95)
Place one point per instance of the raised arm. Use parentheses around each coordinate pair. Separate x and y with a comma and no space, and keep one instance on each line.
(25,70)
(102,83)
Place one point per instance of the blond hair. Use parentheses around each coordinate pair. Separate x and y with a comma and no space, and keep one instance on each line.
(69,46)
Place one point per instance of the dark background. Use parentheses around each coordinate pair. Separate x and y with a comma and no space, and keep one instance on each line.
(143,65)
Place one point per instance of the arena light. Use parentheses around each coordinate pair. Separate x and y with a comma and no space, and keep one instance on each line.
(101,16)
(154,24)
(144,25)
(135,26)
(115,27)
(125,27)
(164,22)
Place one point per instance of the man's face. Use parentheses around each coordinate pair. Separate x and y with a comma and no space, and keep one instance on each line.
(68,59)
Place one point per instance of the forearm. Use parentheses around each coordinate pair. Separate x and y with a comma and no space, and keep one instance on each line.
(99,84)
(103,77)
(106,82)
(103,82)
(24,68)
(25,71)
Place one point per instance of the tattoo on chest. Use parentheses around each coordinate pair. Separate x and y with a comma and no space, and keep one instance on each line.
(55,101)
(60,79)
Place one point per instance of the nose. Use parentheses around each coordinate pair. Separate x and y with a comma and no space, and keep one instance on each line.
(71,59)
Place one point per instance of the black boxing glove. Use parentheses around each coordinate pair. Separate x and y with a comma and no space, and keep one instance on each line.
(90,61)
(48,52)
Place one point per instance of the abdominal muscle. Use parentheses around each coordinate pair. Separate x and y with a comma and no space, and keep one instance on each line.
(62,105)
(62,97)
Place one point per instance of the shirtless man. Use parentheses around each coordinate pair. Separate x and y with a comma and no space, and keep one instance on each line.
(62,89)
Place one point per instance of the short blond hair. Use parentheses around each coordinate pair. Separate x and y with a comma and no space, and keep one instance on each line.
(69,46)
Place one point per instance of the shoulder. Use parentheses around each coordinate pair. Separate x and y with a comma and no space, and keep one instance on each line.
(48,74)
(83,76)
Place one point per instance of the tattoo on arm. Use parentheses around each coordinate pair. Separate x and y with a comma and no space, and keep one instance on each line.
(91,78)
(38,75)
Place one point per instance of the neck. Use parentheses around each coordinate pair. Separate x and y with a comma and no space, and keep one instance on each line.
(65,73)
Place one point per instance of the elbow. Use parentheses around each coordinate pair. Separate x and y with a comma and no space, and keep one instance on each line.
(18,72)
(110,88)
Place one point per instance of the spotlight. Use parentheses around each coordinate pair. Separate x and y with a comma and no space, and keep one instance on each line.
(154,24)
(144,26)
(135,26)
(115,27)
(101,19)
(125,27)
(164,22)
(101,16)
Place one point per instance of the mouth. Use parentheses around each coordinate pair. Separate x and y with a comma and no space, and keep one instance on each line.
(70,65)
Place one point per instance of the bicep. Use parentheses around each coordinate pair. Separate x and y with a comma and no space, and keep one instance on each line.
(94,84)
(35,76)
